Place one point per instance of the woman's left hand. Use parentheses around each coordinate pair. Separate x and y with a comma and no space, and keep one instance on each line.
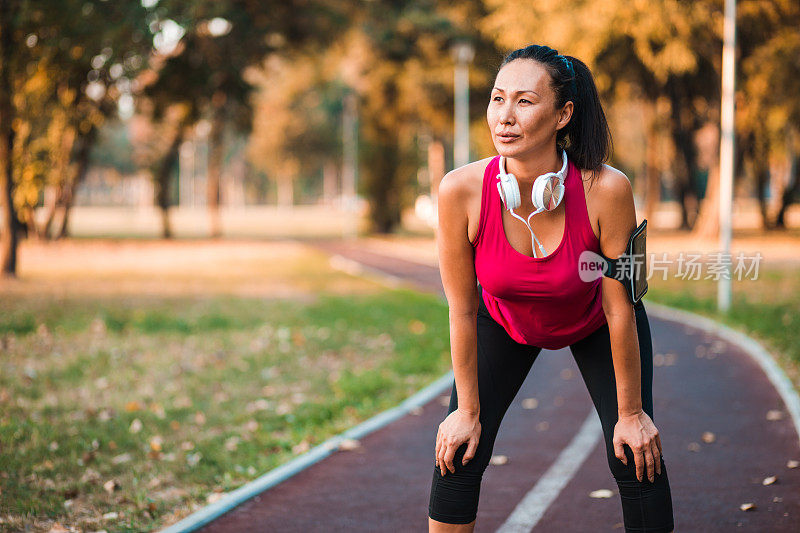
(639,432)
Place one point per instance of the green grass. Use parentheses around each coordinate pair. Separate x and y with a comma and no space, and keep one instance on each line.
(223,389)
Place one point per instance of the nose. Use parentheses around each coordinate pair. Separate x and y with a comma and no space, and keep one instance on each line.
(505,115)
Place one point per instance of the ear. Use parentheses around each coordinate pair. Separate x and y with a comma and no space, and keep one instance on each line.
(565,115)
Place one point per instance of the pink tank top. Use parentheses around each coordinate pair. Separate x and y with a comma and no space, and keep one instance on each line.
(539,301)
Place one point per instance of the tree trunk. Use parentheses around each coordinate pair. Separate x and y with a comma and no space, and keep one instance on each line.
(384,200)
(215,155)
(707,223)
(85,144)
(329,180)
(758,154)
(789,193)
(51,196)
(285,187)
(9,236)
(685,163)
(162,178)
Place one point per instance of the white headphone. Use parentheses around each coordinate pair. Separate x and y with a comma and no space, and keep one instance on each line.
(546,193)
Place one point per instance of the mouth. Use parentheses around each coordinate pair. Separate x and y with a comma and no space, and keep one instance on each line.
(507,137)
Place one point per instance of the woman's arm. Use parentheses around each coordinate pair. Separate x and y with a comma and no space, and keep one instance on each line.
(617,220)
(634,427)
(457,268)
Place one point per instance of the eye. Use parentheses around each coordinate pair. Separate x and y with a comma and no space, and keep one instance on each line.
(496,97)
(524,100)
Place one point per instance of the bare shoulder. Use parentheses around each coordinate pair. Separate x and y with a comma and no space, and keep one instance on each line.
(611,190)
(462,180)
(609,195)
(612,183)
(460,194)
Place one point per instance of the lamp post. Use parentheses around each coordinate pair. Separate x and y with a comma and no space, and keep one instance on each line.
(350,168)
(463,52)
(726,150)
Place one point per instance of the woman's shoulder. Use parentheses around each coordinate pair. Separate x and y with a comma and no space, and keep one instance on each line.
(607,183)
(466,179)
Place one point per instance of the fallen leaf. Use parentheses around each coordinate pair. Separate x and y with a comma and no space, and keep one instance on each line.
(349,444)
(133,406)
(113,515)
(111,485)
(530,403)
(601,493)
(199,418)
(158,410)
(301,447)
(417,327)
(416,411)
(214,496)
(53,446)
(58,528)
(693,447)
(498,459)
(747,506)
(708,437)
(444,400)
(156,442)
(90,476)
(769,480)
(136,426)
(232,443)
(774,414)
(791,463)
(121,458)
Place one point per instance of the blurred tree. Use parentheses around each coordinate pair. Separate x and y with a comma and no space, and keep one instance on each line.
(9,40)
(205,72)
(666,50)
(768,108)
(67,65)
(398,60)
(296,122)
(670,51)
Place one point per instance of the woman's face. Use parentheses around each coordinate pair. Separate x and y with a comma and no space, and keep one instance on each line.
(522,114)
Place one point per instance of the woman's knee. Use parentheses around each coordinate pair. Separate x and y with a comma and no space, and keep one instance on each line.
(454,496)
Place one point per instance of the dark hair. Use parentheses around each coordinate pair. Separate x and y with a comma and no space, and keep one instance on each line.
(586,138)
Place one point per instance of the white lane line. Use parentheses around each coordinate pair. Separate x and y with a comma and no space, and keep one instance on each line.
(533,506)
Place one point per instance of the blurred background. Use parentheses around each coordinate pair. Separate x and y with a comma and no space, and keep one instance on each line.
(167,168)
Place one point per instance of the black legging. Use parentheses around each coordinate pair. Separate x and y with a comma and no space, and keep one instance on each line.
(503,365)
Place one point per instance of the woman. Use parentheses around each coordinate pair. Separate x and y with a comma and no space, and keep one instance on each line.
(508,299)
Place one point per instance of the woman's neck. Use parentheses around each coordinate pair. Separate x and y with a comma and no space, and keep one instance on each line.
(534,164)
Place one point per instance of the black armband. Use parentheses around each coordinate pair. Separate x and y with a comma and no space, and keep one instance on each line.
(630,268)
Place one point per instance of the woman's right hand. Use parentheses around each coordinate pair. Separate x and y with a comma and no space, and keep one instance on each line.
(459,427)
